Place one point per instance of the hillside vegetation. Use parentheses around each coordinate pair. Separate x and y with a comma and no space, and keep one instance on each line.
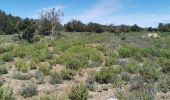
(82,66)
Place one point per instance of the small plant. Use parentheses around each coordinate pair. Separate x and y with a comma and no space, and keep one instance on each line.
(21,76)
(125,76)
(29,90)
(67,74)
(55,77)
(79,92)
(136,83)
(3,69)
(6,93)
(53,97)
(105,75)
(7,56)
(21,65)
(90,82)
(163,87)
(44,67)
(39,76)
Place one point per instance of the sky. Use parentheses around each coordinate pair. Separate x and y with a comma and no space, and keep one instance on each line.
(145,13)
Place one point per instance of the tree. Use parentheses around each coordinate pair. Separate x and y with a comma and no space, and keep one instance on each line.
(75,26)
(53,16)
(27,28)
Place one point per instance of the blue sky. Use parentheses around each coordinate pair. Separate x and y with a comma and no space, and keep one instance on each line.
(142,12)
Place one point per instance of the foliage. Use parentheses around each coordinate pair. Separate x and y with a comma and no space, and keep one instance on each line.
(3,69)
(44,67)
(29,90)
(21,65)
(7,56)
(79,92)
(67,74)
(55,77)
(21,76)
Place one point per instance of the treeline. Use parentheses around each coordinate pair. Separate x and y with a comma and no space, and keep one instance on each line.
(13,24)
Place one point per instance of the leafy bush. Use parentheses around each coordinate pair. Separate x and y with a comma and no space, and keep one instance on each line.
(163,87)
(110,61)
(29,90)
(105,75)
(21,76)
(90,82)
(132,67)
(149,71)
(44,67)
(55,77)
(67,74)
(79,56)
(79,92)
(53,97)
(39,76)
(20,51)
(125,76)
(21,65)
(136,83)
(6,93)
(3,69)
(7,56)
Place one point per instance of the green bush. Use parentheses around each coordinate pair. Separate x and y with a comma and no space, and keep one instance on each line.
(6,57)
(80,56)
(44,67)
(3,69)
(79,92)
(21,76)
(29,90)
(136,83)
(68,74)
(132,67)
(20,51)
(53,97)
(90,82)
(21,65)
(110,61)
(149,71)
(6,93)
(105,75)
(163,87)
(55,77)
(125,76)
(39,76)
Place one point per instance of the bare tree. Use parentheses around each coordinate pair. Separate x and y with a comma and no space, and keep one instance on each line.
(53,16)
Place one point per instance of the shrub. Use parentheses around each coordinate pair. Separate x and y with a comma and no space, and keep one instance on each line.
(6,57)
(20,51)
(53,97)
(125,76)
(3,69)
(21,65)
(105,75)
(6,93)
(67,74)
(79,92)
(55,77)
(110,61)
(136,83)
(33,64)
(90,82)
(149,71)
(163,87)
(21,76)
(135,95)
(44,67)
(80,56)
(29,90)
(39,76)
(132,67)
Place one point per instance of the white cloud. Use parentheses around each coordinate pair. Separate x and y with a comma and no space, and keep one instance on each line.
(97,11)
(104,12)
